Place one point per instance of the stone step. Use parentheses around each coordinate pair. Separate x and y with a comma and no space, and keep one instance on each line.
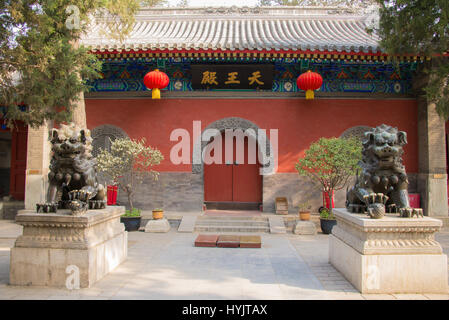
(213,205)
(224,217)
(216,222)
(236,228)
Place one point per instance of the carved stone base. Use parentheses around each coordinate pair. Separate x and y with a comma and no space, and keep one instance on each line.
(55,246)
(388,255)
(305,228)
(159,225)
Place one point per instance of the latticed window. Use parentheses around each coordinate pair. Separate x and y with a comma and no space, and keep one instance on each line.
(355,132)
(103,136)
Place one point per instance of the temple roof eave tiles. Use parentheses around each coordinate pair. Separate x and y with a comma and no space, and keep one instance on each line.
(186,30)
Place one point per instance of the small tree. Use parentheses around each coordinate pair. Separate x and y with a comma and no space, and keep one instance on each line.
(128,163)
(330,163)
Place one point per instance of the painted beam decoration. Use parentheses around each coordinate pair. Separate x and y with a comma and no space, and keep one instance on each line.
(126,74)
(232,76)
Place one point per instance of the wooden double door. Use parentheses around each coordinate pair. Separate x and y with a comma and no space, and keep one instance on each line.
(234,179)
(17,173)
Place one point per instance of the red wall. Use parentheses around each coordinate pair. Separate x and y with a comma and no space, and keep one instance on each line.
(300,122)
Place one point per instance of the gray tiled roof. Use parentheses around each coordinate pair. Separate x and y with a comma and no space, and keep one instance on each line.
(274,28)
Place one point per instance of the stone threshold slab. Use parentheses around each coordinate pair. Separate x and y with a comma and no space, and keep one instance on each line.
(228,241)
(206,240)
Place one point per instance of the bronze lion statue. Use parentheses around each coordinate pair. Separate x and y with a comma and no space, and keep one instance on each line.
(382,185)
(72,178)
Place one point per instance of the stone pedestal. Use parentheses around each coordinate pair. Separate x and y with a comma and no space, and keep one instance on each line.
(54,247)
(305,228)
(388,255)
(159,225)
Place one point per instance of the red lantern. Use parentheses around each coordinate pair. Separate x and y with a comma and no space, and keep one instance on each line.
(308,82)
(156,80)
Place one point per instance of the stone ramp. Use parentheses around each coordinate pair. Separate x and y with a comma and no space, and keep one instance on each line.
(187,224)
(273,224)
(277,225)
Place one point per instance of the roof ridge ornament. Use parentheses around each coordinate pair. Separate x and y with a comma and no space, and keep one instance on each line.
(232,10)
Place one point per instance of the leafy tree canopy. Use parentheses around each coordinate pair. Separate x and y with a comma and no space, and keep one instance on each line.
(420,27)
(331,162)
(128,163)
(42,65)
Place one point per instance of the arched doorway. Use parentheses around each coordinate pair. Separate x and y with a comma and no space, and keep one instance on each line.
(232,179)
(13,160)
(264,147)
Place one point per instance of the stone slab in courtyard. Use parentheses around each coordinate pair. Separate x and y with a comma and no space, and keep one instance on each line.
(250,242)
(206,240)
(388,255)
(53,245)
(228,241)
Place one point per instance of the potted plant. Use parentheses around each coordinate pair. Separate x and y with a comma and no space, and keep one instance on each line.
(304,211)
(131,219)
(330,163)
(158,213)
(127,164)
(327,221)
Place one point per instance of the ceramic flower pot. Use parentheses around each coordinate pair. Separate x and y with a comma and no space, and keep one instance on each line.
(131,223)
(158,214)
(304,216)
(327,225)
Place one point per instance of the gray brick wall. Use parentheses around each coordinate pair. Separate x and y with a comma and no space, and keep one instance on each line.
(297,189)
(174,191)
(183,191)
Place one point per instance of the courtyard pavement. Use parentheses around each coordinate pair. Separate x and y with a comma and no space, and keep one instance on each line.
(167,266)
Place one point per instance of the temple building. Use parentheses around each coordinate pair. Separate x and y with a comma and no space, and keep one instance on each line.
(236,68)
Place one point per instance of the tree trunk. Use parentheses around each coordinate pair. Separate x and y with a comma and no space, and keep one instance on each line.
(331,202)
(79,112)
(130,201)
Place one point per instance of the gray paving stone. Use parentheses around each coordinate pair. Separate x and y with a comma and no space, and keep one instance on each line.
(187,224)
(168,266)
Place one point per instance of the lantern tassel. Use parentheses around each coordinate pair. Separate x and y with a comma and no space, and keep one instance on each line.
(310,94)
(156,93)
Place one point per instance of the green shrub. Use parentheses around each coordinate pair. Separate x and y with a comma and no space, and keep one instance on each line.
(325,214)
(127,164)
(331,162)
(132,213)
